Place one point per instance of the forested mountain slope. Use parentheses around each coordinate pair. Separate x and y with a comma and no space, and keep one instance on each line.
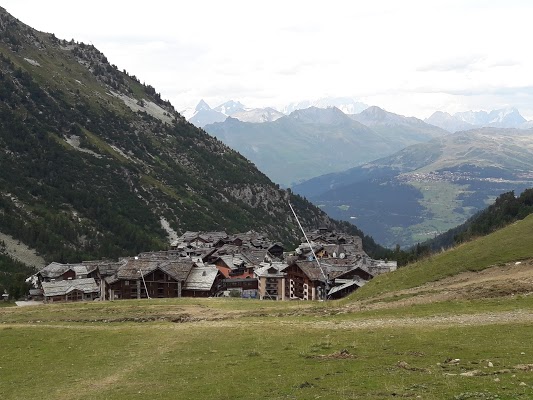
(91,160)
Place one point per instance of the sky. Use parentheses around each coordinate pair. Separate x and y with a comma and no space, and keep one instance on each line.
(409,57)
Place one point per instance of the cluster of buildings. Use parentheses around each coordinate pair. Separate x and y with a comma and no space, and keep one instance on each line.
(209,264)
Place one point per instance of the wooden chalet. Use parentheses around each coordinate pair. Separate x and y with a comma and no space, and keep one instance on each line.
(141,278)
(83,289)
(59,272)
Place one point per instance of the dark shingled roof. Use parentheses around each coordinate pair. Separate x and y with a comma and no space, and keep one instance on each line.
(310,268)
(177,269)
(60,288)
(55,270)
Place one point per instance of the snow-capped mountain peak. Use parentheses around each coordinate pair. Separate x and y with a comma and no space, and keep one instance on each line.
(202,105)
(258,115)
(346,104)
(230,107)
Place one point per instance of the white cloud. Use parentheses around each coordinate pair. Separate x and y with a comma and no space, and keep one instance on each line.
(411,57)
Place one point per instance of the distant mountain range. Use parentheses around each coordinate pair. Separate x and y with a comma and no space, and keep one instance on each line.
(428,188)
(346,104)
(203,114)
(312,141)
(292,153)
(504,118)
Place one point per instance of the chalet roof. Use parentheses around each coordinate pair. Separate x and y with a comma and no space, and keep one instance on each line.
(212,237)
(274,270)
(255,256)
(188,236)
(111,279)
(105,267)
(55,270)
(227,249)
(163,255)
(310,268)
(201,278)
(61,288)
(351,270)
(347,262)
(304,248)
(377,267)
(249,237)
(326,236)
(350,283)
(234,261)
(177,269)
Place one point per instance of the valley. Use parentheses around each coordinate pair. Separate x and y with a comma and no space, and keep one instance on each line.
(426,189)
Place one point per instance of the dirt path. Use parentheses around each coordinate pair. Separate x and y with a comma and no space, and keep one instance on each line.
(476,319)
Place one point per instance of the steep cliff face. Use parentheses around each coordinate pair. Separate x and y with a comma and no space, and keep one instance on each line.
(91,160)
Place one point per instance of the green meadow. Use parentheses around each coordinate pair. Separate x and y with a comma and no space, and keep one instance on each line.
(372,345)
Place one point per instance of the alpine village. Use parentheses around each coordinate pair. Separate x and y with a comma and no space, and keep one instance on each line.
(146,252)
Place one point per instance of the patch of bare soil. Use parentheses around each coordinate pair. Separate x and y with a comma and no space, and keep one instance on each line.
(503,317)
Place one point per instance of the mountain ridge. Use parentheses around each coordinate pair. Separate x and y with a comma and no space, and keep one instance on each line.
(318,140)
(501,118)
(93,161)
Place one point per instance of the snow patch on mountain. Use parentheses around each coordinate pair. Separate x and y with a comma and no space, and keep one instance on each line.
(230,107)
(346,104)
(258,115)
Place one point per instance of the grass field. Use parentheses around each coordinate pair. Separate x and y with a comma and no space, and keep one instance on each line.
(238,351)
(440,201)
(401,336)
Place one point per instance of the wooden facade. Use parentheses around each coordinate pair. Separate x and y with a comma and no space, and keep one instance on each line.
(156,284)
(303,281)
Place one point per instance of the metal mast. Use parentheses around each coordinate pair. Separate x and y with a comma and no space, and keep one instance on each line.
(312,251)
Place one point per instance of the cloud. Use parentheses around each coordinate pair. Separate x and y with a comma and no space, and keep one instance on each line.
(460,64)
(479,90)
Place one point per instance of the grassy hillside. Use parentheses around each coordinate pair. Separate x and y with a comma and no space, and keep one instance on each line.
(506,245)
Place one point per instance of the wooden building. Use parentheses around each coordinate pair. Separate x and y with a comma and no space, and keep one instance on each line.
(305,281)
(83,289)
(142,278)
